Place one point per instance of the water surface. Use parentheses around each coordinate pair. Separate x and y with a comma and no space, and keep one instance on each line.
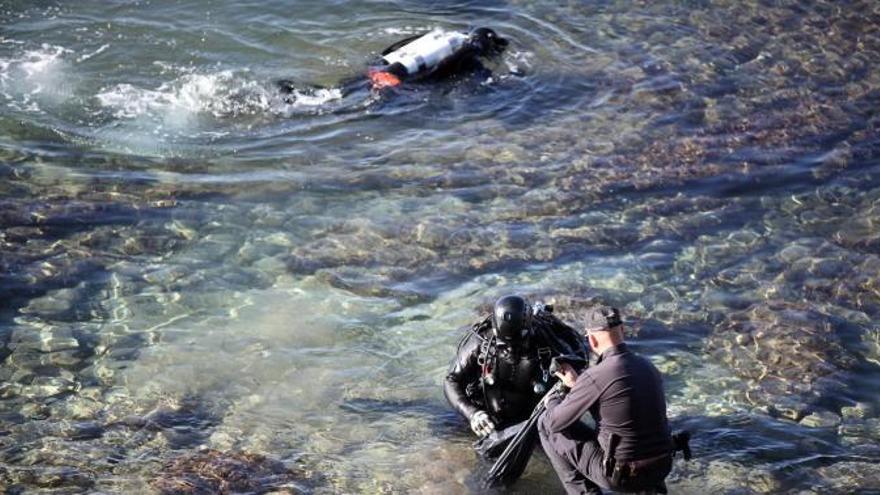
(193,266)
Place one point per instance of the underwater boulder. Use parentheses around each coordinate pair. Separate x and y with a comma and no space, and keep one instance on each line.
(790,355)
(212,471)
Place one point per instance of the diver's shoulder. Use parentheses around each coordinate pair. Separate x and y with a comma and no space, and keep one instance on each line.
(479,331)
(551,320)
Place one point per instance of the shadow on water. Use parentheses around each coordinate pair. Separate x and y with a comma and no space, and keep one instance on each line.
(185,426)
(39,231)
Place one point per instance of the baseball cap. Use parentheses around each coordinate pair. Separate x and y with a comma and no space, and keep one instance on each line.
(601,318)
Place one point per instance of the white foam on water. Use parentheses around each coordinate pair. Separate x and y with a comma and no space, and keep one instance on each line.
(87,56)
(36,76)
(44,62)
(221,94)
(315,98)
(517,61)
(407,30)
(163,121)
(154,121)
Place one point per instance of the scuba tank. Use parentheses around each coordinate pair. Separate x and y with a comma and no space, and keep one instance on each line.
(424,53)
(438,52)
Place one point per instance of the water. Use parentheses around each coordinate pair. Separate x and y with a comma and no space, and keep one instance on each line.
(199,275)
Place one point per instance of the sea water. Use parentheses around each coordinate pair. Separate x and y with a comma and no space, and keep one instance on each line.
(200,274)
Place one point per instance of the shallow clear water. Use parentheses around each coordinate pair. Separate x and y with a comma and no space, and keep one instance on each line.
(191,264)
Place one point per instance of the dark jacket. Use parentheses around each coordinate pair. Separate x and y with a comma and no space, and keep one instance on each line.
(624,394)
(508,386)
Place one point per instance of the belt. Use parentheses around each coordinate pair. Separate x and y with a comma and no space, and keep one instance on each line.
(632,469)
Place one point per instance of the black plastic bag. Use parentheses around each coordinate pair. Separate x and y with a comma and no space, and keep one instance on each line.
(492,446)
(512,462)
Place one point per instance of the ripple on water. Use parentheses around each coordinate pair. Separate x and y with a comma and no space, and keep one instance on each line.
(197,275)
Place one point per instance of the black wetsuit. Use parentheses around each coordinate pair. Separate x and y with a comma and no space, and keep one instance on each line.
(504,383)
(464,60)
(624,394)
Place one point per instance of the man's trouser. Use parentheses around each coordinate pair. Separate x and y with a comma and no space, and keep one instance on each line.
(577,458)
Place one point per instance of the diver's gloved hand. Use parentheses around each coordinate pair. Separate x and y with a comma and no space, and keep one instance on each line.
(482,424)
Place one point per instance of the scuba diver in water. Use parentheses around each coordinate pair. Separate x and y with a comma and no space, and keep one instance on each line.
(502,368)
(435,55)
(432,56)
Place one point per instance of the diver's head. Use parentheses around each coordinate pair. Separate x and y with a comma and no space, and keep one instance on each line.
(510,320)
(487,41)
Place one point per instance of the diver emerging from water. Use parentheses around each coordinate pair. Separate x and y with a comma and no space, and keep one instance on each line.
(502,368)
(435,55)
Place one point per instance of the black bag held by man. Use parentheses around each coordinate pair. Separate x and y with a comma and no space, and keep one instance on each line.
(512,462)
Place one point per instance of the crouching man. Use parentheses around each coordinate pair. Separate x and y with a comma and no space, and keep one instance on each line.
(631,448)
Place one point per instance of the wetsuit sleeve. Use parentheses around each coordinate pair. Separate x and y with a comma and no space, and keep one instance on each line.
(463,370)
(562,413)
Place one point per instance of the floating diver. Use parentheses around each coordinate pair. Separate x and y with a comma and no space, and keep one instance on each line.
(435,55)
(432,56)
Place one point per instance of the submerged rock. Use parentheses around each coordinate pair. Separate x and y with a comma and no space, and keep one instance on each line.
(718,476)
(871,342)
(821,419)
(847,477)
(789,354)
(212,471)
(860,410)
(64,479)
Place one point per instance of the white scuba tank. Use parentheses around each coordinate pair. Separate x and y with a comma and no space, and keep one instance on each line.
(425,53)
